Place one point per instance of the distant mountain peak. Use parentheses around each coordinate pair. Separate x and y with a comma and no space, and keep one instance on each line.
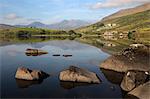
(36,23)
(63,25)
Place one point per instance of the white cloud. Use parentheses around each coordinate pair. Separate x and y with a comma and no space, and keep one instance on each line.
(116,3)
(13,19)
(12,16)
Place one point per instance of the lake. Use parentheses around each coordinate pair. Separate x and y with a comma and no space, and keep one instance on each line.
(83,55)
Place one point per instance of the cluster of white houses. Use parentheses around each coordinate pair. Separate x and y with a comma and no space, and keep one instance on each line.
(107,26)
(110,25)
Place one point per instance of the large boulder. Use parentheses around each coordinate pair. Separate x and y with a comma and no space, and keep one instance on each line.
(133,79)
(76,74)
(142,91)
(128,59)
(27,74)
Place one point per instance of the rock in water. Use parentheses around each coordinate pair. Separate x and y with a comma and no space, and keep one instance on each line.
(27,74)
(76,74)
(142,91)
(67,55)
(133,79)
(35,52)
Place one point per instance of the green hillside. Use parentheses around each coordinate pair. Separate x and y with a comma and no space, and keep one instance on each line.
(139,22)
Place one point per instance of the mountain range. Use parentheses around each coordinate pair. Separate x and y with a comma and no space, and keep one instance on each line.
(63,25)
(4,26)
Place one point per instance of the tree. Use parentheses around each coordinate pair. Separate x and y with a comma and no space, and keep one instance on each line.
(43,32)
(131,35)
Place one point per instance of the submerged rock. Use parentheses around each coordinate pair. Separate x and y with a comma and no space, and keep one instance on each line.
(133,79)
(142,91)
(56,54)
(128,59)
(76,74)
(27,74)
(67,55)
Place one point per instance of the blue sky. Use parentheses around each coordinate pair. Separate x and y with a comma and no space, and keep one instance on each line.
(51,11)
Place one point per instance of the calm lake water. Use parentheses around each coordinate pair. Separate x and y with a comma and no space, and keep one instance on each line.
(84,56)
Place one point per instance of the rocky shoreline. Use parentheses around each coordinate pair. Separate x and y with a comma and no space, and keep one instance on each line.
(128,59)
(134,63)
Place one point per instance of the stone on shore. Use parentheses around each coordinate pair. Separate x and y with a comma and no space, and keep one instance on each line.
(75,74)
(142,91)
(137,45)
(129,59)
(27,74)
